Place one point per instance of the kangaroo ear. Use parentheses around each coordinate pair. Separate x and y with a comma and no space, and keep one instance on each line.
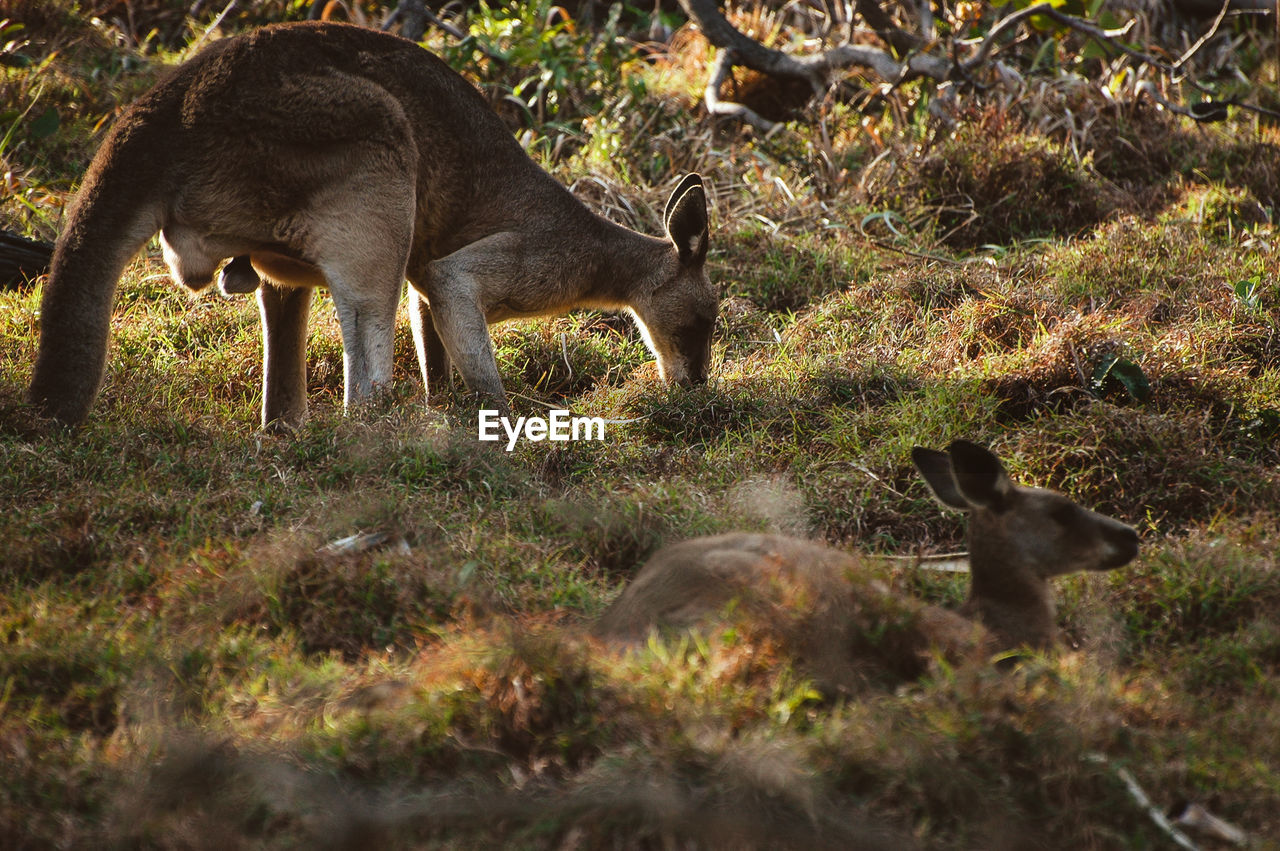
(935,467)
(685,220)
(979,475)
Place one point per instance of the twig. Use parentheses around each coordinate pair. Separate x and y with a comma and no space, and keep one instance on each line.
(204,36)
(405,10)
(738,49)
(1075,358)
(921,255)
(1213,30)
(866,471)
(930,557)
(1201,820)
(551,407)
(1140,797)
(927,28)
(959,565)
(882,24)
(814,69)
(445,26)
(564,353)
(1107,37)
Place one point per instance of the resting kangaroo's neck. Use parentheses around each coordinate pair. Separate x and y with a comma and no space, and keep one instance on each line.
(1013,602)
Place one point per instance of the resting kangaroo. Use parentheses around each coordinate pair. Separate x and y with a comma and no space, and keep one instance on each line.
(325,154)
(845,624)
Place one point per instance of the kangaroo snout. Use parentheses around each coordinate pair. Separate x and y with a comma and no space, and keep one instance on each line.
(1122,542)
(695,344)
(682,347)
(687,370)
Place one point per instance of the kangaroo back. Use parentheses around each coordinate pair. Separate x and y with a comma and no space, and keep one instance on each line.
(685,581)
(826,608)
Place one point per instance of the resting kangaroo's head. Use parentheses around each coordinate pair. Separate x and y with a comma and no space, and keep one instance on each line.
(1018,538)
(678,316)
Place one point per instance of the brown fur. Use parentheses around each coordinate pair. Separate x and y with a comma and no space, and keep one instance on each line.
(327,154)
(847,627)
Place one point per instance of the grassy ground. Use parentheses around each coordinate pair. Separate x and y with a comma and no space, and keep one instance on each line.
(184,665)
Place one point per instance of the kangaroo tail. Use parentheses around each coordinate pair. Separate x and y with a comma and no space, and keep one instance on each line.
(107,225)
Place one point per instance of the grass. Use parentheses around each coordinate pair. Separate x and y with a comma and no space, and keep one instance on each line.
(185,664)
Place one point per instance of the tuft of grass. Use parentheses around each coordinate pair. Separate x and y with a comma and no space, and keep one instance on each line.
(986,184)
(1200,592)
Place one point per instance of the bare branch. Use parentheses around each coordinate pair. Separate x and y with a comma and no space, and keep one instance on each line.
(885,66)
(814,69)
(880,21)
(927,29)
(727,109)
(1200,42)
(1107,37)
(746,51)
(737,49)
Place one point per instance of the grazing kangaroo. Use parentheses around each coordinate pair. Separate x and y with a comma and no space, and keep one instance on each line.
(318,154)
(846,625)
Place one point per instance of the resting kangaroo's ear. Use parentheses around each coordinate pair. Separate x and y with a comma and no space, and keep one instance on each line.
(979,475)
(935,467)
(686,220)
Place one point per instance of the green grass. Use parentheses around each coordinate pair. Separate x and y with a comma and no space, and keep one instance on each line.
(183,664)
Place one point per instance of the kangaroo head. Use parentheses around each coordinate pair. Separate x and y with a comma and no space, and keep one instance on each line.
(1018,538)
(678,315)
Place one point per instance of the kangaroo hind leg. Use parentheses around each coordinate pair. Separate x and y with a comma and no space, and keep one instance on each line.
(365,249)
(456,287)
(433,358)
